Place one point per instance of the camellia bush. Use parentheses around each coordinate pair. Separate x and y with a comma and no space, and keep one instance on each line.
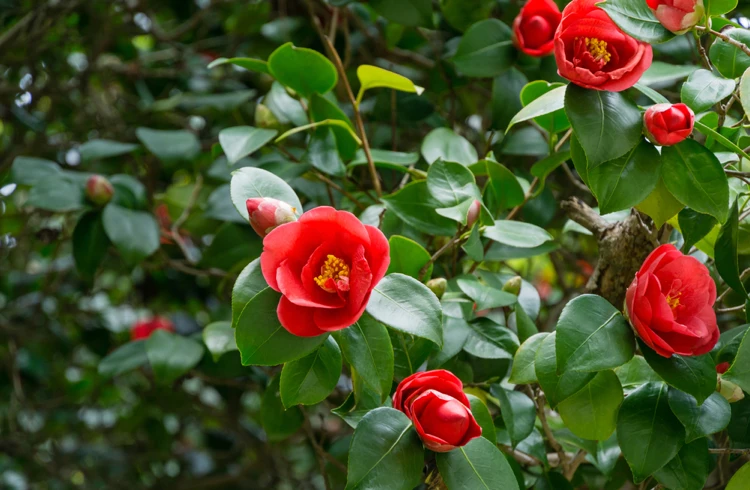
(384,245)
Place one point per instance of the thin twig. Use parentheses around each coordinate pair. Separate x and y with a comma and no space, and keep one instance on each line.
(175,230)
(453,241)
(346,193)
(745,49)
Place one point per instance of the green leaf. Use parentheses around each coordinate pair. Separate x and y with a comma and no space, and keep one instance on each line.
(409,352)
(517,234)
(451,183)
(310,379)
(473,245)
(284,107)
(416,207)
(693,174)
(745,91)
(689,469)
(725,251)
(322,152)
(407,305)
(591,413)
(129,192)
(740,479)
(546,166)
(506,97)
(634,17)
(385,453)
(518,412)
(303,70)
(90,244)
(557,388)
(249,283)
(607,124)
(250,182)
(408,257)
(482,415)
(488,340)
(367,348)
(592,335)
(30,170)
(413,13)
(626,181)
(444,144)
(455,333)
(648,432)
(703,89)
(171,355)
(485,50)
(251,64)
(554,122)
(700,420)
(694,226)
(525,326)
(635,372)
(730,60)
(322,109)
(134,233)
(477,465)
(660,205)
(396,160)
(461,14)
(123,359)
(262,340)
(692,374)
(739,371)
(549,103)
(56,193)
(170,145)
(219,339)
(524,369)
(373,77)
(665,74)
(241,141)
(99,149)
(503,189)
(720,7)
(278,422)
(485,297)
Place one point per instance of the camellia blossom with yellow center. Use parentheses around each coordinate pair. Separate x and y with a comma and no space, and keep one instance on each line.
(325,265)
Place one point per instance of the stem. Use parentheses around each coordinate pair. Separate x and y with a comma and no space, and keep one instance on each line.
(175,230)
(346,193)
(745,49)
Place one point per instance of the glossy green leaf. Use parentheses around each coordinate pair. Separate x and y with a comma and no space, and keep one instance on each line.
(524,370)
(485,297)
(30,170)
(607,124)
(241,141)
(367,347)
(488,340)
(373,77)
(408,257)
(451,183)
(248,284)
(592,335)
(170,145)
(725,251)
(278,422)
(285,108)
(635,372)
(251,64)
(739,371)
(693,174)
(171,355)
(694,226)
(455,333)
(262,340)
(479,465)
(660,205)
(502,190)
(304,70)
(546,166)
(700,420)
(689,469)
(637,19)
(444,144)
(346,140)
(506,100)
(720,7)
(591,413)
(730,60)
(557,388)
(125,358)
(415,205)
(486,49)
(692,374)
(518,412)
(549,103)
(219,339)
(56,193)
(250,182)
(323,154)
(90,244)
(517,234)
(648,432)
(740,479)
(411,13)
(99,149)
(310,379)
(385,453)
(461,14)
(134,233)
(482,415)
(554,122)
(405,304)
(473,245)
(703,89)
(745,91)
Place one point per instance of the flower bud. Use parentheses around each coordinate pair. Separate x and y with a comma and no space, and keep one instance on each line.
(678,16)
(730,391)
(473,215)
(513,285)
(99,190)
(266,213)
(668,124)
(264,118)
(722,367)
(438,286)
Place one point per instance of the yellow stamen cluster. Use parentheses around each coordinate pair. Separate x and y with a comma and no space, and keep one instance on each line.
(332,268)
(673,301)
(598,49)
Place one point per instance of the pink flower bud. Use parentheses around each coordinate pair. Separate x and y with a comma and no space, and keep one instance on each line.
(678,16)
(668,124)
(266,213)
(99,190)
(473,215)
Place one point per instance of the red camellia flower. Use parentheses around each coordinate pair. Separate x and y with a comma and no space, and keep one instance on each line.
(438,407)
(534,27)
(591,51)
(144,328)
(670,304)
(325,266)
(679,16)
(668,124)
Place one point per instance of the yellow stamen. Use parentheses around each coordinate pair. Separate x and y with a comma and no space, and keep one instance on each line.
(598,49)
(673,301)
(333,268)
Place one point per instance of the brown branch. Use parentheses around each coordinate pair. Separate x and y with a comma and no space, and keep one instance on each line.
(582,214)
(742,47)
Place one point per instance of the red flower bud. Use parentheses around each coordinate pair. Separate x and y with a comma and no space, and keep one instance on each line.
(678,16)
(722,367)
(266,213)
(99,190)
(668,124)
(473,215)
(144,328)
(534,27)
(435,403)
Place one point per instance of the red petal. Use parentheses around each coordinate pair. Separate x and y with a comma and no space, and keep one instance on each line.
(377,254)
(292,288)
(297,320)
